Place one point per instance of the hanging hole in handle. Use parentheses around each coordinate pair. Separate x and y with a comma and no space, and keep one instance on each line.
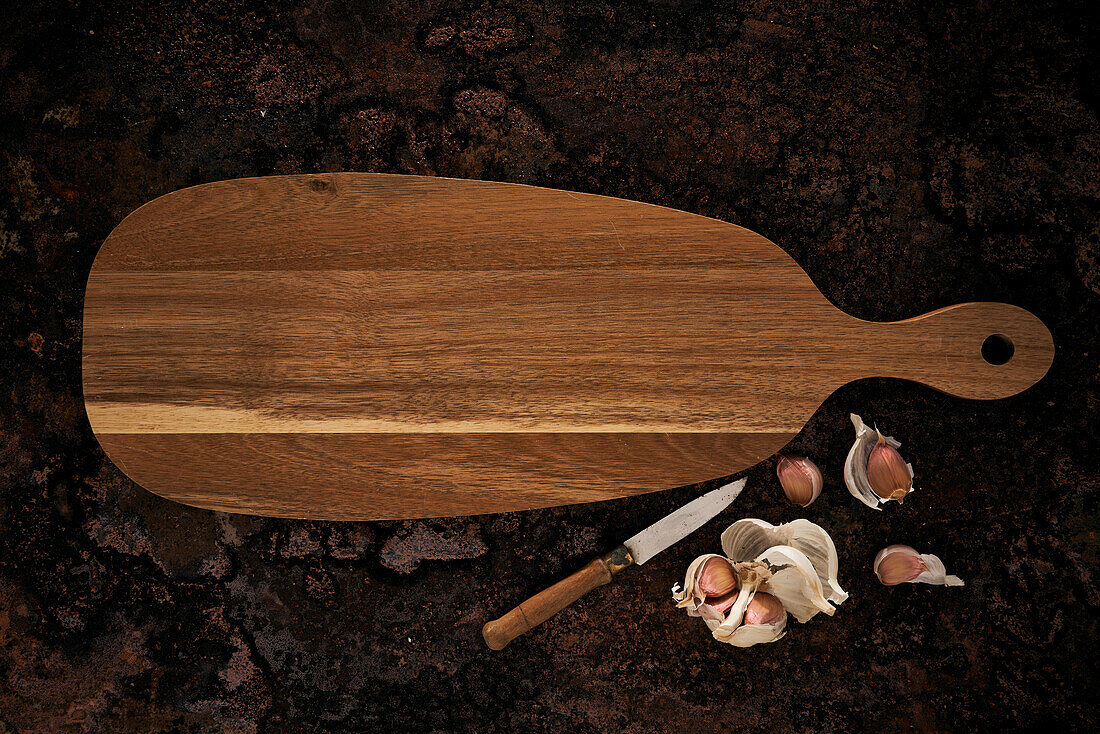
(997,349)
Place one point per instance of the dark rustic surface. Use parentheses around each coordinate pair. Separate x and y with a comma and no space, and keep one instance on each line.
(908,155)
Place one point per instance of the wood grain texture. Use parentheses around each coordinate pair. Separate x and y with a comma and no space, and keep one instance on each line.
(357,346)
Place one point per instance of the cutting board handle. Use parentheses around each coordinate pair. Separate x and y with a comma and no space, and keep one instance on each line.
(972,350)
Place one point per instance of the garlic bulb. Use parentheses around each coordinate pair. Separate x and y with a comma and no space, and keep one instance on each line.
(900,564)
(874,471)
(773,576)
(800,478)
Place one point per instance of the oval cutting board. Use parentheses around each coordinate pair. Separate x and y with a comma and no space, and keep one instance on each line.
(368,346)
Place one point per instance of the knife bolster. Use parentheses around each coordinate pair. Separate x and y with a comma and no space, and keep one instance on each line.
(617,560)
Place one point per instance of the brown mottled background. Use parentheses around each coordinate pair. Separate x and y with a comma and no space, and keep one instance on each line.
(908,154)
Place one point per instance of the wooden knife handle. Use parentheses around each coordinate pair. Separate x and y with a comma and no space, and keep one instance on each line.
(549,602)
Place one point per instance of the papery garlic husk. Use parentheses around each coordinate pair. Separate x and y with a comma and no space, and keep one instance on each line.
(794,581)
(748,539)
(800,479)
(898,564)
(855,467)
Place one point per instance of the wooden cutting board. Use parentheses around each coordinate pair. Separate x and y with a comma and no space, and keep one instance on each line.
(366,346)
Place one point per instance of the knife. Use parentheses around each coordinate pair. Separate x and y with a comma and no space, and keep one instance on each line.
(634,552)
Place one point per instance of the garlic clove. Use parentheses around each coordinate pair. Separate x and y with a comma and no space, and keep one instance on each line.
(800,479)
(725,615)
(722,604)
(765,620)
(746,539)
(887,472)
(738,628)
(691,597)
(893,477)
(723,630)
(898,564)
(722,615)
(899,567)
(716,577)
(774,577)
(710,590)
(764,609)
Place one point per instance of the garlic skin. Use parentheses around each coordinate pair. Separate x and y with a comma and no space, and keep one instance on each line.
(898,564)
(751,538)
(773,579)
(800,479)
(794,581)
(874,471)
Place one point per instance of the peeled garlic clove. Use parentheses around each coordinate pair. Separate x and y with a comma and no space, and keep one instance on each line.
(892,477)
(746,539)
(898,564)
(800,478)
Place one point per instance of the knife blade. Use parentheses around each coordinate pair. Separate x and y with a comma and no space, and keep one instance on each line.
(636,551)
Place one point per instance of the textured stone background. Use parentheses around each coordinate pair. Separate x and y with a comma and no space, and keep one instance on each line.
(909,155)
